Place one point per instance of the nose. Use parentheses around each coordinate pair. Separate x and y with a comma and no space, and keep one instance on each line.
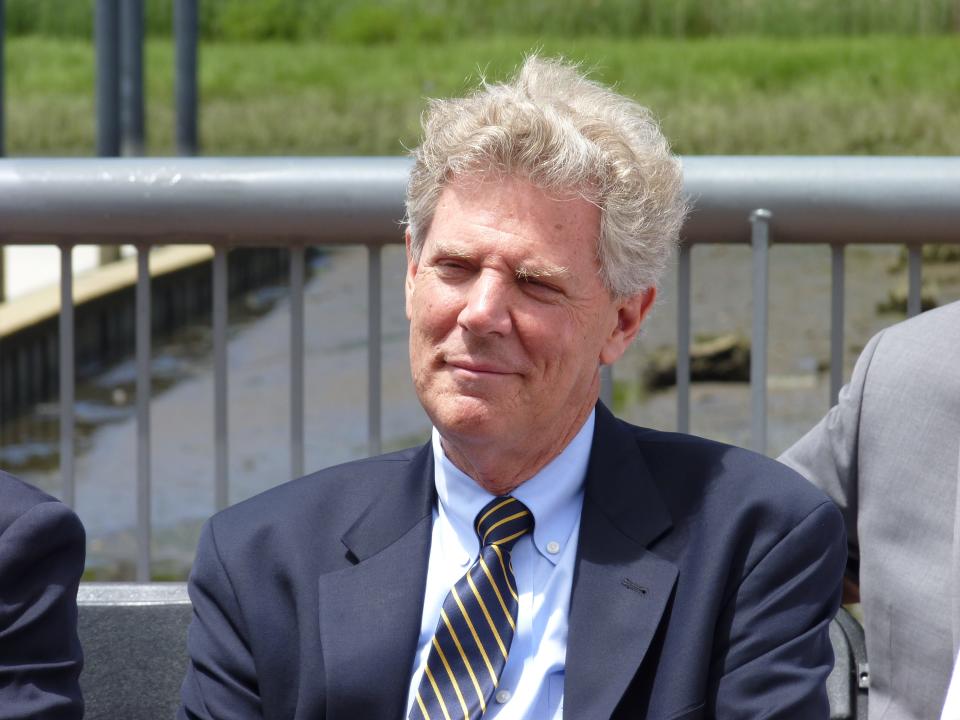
(486,310)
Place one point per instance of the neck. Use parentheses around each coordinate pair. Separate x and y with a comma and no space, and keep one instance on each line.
(500,470)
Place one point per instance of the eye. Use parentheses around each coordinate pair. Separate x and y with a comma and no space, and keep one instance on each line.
(451,267)
(538,285)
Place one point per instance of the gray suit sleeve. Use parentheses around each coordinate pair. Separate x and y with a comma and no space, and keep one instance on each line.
(827,455)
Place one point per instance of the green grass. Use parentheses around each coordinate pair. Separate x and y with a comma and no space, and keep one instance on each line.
(876,95)
(377,21)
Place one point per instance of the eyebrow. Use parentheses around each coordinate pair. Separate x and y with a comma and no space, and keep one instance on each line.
(529,270)
(446,250)
(542,272)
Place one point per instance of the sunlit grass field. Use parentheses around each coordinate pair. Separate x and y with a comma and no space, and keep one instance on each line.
(378,21)
(838,95)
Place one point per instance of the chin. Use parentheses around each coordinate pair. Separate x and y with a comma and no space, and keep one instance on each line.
(468,417)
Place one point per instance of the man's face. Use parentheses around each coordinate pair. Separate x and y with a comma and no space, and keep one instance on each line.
(509,320)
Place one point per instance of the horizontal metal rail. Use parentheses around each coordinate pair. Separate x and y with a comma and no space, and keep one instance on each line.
(268,201)
(297,202)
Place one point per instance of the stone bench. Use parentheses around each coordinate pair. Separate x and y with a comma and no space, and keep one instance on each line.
(134,642)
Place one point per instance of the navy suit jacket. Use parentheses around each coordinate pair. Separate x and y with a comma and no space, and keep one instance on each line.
(706,578)
(42,550)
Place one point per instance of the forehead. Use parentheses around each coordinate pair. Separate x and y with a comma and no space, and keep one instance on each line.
(510,208)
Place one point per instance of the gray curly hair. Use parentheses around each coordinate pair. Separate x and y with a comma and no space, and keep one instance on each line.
(564,133)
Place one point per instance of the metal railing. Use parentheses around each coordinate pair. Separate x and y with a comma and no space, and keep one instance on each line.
(295,202)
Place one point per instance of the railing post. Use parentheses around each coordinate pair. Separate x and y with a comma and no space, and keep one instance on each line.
(297,274)
(143,333)
(221,367)
(606,385)
(683,338)
(915,280)
(107,31)
(760,243)
(3,131)
(132,125)
(3,96)
(836,320)
(186,32)
(374,376)
(107,34)
(67,377)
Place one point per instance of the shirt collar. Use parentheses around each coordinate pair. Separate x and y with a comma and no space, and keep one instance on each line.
(554,495)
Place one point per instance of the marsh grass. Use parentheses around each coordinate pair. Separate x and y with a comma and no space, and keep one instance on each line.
(877,95)
(379,21)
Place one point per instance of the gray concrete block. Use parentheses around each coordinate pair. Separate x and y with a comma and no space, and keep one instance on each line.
(134,643)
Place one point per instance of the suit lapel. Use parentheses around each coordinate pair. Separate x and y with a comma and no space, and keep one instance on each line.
(620,588)
(370,613)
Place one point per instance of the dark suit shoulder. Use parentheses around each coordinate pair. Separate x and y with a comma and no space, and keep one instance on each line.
(37,528)
(747,502)
(350,483)
(725,473)
(42,548)
(17,498)
(314,511)
(740,509)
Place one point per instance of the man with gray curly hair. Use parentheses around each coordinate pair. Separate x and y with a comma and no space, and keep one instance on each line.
(538,558)
(567,136)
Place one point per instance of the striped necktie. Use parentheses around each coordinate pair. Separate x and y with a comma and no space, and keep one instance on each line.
(477,622)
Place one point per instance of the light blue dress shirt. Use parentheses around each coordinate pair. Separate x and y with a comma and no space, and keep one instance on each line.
(531,685)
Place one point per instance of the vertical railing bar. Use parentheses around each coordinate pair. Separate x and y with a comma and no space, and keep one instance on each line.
(297,274)
(760,243)
(143,333)
(107,35)
(132,124)
(606,385)
(837,313)
(3,128)
(683,338)
(185,21)
(67,377)
(374,385)
(220,384)
(915,279)
(3,95)
(107,88)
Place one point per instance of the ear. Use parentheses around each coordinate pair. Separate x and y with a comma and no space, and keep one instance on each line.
(631,312)
(412,267)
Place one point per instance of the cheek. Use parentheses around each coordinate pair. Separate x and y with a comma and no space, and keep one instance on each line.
(433,309)
(566,347)
(427,337)
(425,323)
(547,338)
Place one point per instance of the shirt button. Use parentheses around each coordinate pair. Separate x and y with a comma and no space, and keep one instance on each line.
(502,696)
(553,547)
(464,560)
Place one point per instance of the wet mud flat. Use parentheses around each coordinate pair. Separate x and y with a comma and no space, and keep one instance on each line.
(182,464)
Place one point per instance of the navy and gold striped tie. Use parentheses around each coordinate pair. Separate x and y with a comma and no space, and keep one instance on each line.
(477,622)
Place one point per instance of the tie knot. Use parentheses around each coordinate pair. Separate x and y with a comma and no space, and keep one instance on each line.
(502,522)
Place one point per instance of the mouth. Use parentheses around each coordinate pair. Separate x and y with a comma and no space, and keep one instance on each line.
(477,368)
